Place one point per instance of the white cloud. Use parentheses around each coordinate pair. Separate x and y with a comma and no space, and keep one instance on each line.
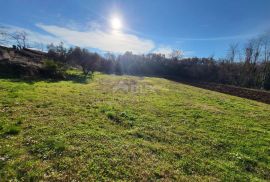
(166,50)
(117,42)
(33,37)
(94,37)
(233,37)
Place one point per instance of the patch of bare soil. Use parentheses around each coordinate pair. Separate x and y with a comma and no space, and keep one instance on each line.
(253,94)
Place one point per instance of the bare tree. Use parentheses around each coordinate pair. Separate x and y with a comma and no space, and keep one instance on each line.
(177,54)
(232,52)
(258,49)
(249,49)
(20,37)
(266,47)
(253,53)
(265,73)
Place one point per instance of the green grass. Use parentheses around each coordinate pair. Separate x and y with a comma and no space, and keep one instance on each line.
(151,130)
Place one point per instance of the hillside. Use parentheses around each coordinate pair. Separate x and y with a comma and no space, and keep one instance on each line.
(130,128)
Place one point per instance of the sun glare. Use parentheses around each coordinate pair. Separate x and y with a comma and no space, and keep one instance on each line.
(116,23)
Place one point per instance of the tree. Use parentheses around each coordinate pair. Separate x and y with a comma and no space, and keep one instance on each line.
(266,61)
(177,54)
(82,57)
(57,52)
(20,37)
(266,47)
(90,62)
(17,38)
(233,50)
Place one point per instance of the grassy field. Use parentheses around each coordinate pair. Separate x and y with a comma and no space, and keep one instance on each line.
(130,128)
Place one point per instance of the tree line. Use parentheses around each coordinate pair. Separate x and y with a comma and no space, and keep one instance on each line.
(248,66)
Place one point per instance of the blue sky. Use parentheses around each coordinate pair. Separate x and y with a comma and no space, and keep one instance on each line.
(197,27)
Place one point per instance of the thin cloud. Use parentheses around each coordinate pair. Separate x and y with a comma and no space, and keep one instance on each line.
(235,37)
(33,37)
(117,42)
(167,50)
(93,37)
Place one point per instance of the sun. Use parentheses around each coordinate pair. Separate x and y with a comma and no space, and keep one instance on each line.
(116,23)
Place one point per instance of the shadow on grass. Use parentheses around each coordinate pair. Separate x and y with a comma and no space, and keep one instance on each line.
(79,78)
(74,77)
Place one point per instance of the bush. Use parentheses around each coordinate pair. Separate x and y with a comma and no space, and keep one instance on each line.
(113,116)
(53,70)
(50,65)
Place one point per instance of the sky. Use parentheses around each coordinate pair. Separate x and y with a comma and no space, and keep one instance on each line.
(199,28)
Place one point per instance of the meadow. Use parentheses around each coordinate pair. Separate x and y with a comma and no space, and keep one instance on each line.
(130,128)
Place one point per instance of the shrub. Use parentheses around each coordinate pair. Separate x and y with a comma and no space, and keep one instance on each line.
(50,65)
(113,116)
(53,69)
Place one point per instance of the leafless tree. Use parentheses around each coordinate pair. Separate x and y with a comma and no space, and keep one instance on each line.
(266,47)
(177,54)
(232,52)
(265,71)
(258,49)
(249,52)
(20,37)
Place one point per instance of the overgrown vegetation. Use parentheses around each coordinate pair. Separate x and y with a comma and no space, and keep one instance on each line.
(156,130)
(53,69)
